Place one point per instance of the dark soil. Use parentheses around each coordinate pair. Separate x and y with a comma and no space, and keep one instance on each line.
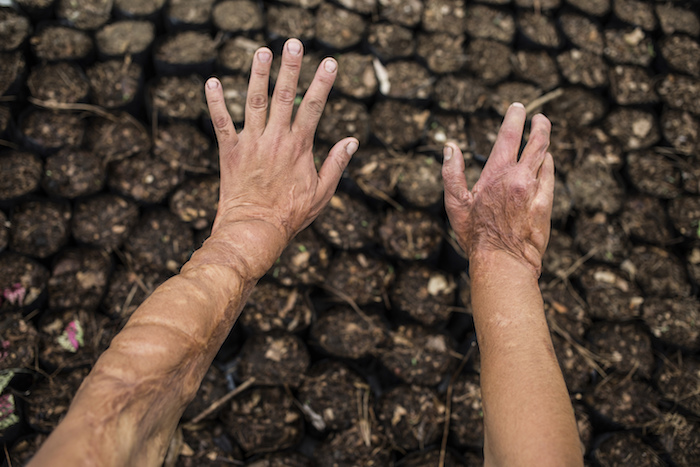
(48,401)
(273,358)
(21,174)
(620,278)
(424,294)
(143,177)
(418,355)
(56,43)
(331,396)
(105,220)
(283,22)
(85,14)
(412,416)
(347,223)
(39,228)
(467,414)
(72,172)
(343,332)
(626,448)
(14,29)
(264,419)
(361,277)
(47,131)
(127,37)
(159,241)
(304,261)
(410,235)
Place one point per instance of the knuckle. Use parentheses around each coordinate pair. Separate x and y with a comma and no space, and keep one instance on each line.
(285,95)
(257,101)
(221,122)
(315,106)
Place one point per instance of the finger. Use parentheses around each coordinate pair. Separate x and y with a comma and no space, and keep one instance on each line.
(536,148)
(256,100)
(332,169)
(286,86)
(505,149)
(545,192)
(311,107)
(223,126)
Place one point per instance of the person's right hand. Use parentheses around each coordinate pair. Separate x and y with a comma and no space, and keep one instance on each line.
(510,206)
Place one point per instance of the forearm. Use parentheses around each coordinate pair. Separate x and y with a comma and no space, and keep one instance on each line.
(127,409)
(528,415)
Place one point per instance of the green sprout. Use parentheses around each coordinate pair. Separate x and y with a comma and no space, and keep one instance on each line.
(297,100)
(302,248)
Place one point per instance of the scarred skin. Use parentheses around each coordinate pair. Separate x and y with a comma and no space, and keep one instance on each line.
(127,409)
(503,225)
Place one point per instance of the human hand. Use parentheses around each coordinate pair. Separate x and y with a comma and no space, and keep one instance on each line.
(270,189)
(510,206)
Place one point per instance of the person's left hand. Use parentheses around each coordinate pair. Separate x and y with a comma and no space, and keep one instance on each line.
(270,189)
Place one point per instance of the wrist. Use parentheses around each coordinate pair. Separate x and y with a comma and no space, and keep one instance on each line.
(502,263)
(249,248)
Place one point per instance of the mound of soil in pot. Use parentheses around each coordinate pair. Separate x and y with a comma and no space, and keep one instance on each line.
(347,223)
(680,92)
(177,97)
(410,235)
(11,73)
(115,83)
(460,94)
(72,338)
(56,43)
(185,52)
(237,16)
(343,332)
(284,21)
(356,76)
(658,272)
(390,41)
(626,448)
(610,294)
(441,52)
(424,294)
(127,37)
(104,220)
(143,177)
(79,278)
(677,381)
(304,261)
(331,396)
(363,278)
(138,8)
(363,445)
(601,237)
(644,218)
(485,22)
(467,414)
(623,347)
(117,137)
(73,172)
(60,82)
(273,307)
(682,130)
(624,402)
(20,341)
(39,228)
(343,117)
(273,358)
(412,416)
(417,355)
(195,201)
(159,241)
(14,29)
(47,131)
(674,321)
(84,14)
(208,445)
(264,419)
(236,54)
(636,13)
(188,14)
(21,174)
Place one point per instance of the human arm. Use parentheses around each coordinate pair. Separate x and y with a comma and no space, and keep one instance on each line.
(127,409)
(503,225)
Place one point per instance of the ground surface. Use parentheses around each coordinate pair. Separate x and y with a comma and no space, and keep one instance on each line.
(109,182)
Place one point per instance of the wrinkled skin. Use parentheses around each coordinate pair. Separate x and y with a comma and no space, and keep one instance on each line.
(509,208)
(270,189)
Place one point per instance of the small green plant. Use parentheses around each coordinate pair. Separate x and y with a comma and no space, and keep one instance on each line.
(72,337)
(8,415)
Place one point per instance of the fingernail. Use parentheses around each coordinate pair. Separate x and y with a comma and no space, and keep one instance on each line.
(517,104)
(330,65)
(213,83)
(264,56)
(351,148)
(294,47)
(447,152)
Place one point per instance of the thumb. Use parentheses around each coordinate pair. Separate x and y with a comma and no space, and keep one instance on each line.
(456,189)
(332,169)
